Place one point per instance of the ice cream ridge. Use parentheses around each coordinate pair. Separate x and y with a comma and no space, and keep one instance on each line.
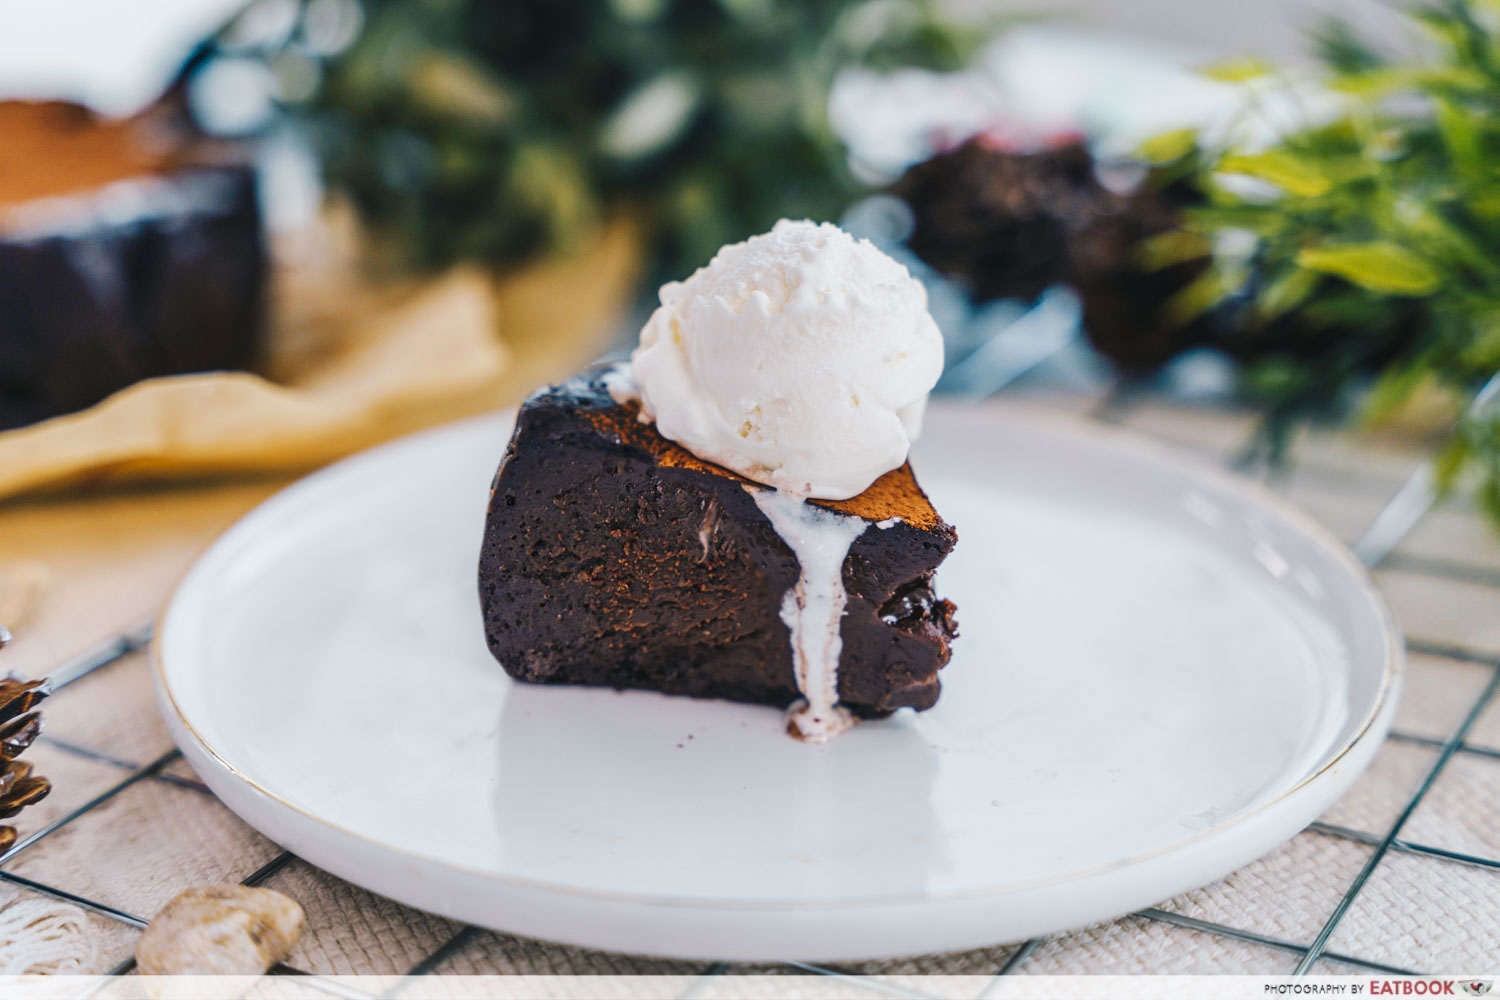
(731,514)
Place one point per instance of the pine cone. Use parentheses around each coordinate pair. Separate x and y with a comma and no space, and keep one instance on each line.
(20,724)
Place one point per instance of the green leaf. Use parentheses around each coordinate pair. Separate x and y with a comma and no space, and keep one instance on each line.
(1169,146)
(1285,293)
(1488,495)
(1375,82)
(1450,461)
(1195,299)
(1394,387)
(1292,173)
(1449,243)
(1485,204)
(1482,352)
(1239,70)
(1273,378)
(1460,135)
(1379,267)
(1169,247)
(450,86)
(1342,49)
(1258,219)
(1448,78)
(1386,81)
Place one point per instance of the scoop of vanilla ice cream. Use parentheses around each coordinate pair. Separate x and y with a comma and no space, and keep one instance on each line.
(801,358)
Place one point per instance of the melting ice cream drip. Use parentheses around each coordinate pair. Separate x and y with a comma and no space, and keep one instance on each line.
(814,608)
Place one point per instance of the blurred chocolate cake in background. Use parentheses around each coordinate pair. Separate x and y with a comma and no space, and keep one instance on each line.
(1010,224)
(128,249)
(1000,221)
(1131,310)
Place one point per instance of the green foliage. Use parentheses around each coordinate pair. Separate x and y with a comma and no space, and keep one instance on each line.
(1379,267)
(1375,237)
(500,132)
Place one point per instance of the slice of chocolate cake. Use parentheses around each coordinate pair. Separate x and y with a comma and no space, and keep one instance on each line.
(614,557)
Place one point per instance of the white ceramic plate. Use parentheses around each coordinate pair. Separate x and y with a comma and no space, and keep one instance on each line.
(1162,674)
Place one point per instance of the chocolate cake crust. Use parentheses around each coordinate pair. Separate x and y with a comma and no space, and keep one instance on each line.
(613,557)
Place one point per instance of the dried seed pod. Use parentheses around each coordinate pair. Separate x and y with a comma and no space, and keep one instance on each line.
(10,773)
(18,696)
(20,725)
(19,733)
(227,930)
(18,789)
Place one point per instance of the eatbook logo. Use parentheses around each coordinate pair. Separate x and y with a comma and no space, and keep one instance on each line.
(1477,987)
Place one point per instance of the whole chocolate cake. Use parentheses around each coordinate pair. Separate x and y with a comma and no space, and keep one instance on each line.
(732,515)
(127,250)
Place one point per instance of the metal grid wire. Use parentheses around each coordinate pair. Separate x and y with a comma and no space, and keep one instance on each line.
(1397,518)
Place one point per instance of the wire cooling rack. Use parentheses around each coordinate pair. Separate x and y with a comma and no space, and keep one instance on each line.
(1397,518)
